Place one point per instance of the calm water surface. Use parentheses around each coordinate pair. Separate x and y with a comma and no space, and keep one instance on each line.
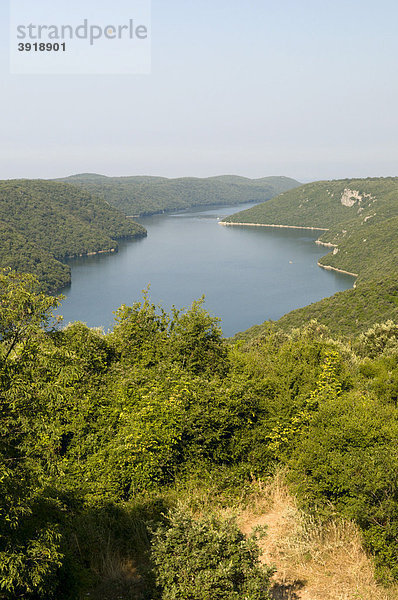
(247,274)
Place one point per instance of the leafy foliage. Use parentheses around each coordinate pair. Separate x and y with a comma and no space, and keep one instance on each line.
(98,431)
(207,558)
(379,339)
(29,545)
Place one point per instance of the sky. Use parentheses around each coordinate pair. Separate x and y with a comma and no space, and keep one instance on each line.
(302,88)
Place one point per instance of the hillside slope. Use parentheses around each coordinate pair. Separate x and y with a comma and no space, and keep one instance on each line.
(368,248)
(360,217)
(148,195)
(42,223)
(325,204)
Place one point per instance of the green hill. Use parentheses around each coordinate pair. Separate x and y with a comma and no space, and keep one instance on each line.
(325,204)
(42,223)
(148,195)
(367,248)
(360,217)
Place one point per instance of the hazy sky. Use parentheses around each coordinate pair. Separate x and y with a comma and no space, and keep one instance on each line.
(303,88)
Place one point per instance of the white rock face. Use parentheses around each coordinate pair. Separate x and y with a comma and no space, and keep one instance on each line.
(350,197)
(369,217)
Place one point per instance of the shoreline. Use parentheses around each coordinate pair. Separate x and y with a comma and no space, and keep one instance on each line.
(82,254)
(114,249)
(330,268)
(326,244)
(227,223)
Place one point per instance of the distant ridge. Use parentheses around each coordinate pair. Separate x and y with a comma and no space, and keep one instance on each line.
(145,195)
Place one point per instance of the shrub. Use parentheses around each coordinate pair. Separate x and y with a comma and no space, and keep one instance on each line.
(204,558)
(379,339)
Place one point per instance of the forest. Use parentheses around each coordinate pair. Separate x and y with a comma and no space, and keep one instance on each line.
(123,454)
(148,195)
(43,223)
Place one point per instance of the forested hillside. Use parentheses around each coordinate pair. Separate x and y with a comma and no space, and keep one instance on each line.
(42,223)
(361,219)
(124,456)
(324,204)
(148,195)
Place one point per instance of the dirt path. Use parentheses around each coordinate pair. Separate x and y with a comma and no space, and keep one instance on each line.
(312,563)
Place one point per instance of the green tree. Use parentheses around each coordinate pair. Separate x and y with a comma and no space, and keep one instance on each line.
(196,341)
(24,311)
(29,541)
(379,339)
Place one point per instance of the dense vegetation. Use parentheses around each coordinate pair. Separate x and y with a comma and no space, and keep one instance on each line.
(320,204)
(148,195)
(361,218)
(42,223)
(105,438)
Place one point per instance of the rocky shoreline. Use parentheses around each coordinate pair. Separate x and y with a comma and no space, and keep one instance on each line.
(277,226)
(330,268)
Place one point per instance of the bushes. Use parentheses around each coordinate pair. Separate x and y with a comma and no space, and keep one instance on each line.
(196,341)
(348,465)
(199,559)
(379,339)
(113,418)
(28,565)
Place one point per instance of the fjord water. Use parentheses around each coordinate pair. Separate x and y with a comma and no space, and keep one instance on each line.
(248,274)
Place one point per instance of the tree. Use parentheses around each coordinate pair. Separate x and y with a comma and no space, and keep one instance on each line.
(197,342)
(24,310)
(379,339)
(29,542)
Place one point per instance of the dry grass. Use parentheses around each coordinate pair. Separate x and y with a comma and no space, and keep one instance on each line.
(114,572)
(123,583)
(312,562)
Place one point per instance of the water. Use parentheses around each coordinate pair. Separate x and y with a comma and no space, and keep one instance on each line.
(248,274)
